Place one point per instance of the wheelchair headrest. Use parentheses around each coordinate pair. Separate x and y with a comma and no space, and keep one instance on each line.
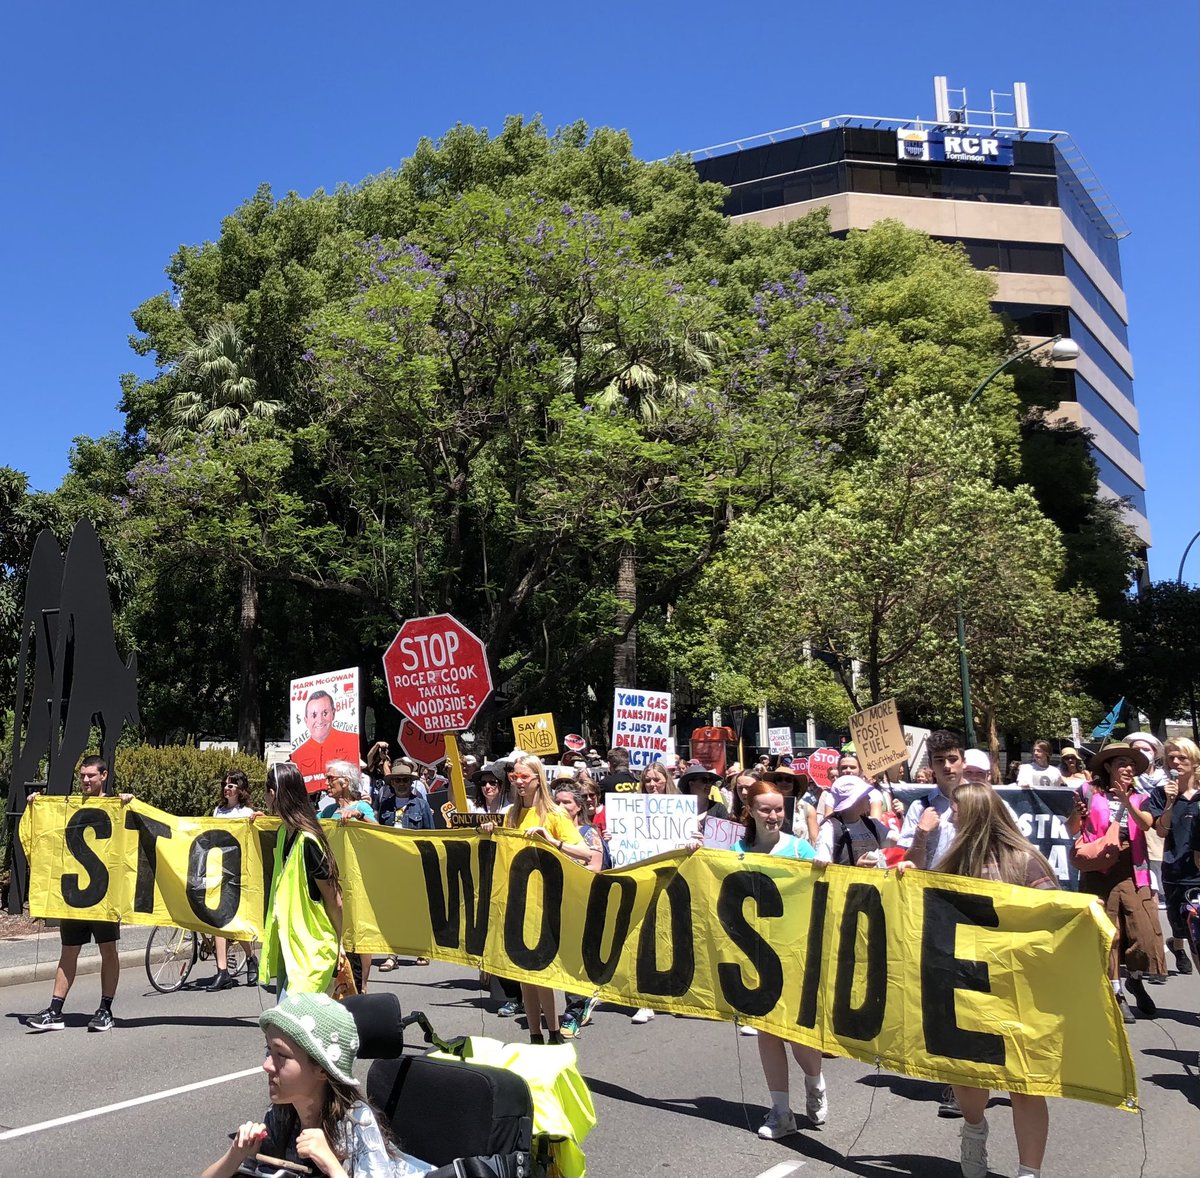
(380,1025)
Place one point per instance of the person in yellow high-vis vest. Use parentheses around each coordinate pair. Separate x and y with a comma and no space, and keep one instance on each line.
(304,913)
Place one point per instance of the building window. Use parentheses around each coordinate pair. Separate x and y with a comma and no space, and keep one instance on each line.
(1106,415)
(1094,299)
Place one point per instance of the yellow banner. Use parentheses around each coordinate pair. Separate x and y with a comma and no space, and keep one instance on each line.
(940,977)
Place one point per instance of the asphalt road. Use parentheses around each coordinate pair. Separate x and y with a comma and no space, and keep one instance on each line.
(679,1097)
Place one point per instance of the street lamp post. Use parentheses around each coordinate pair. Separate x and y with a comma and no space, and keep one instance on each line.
(1062,350)
(1192,678)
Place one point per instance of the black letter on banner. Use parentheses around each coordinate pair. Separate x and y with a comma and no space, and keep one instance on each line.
(942,973)
(600,970)
(231,876)
(97,885)
(149,831)
(444,916)
(865,1021)
(525,863)
(812,957)
(676,979)
(731,902)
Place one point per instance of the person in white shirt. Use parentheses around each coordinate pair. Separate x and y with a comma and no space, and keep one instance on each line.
(850,836)
(1040,774)
(933,810)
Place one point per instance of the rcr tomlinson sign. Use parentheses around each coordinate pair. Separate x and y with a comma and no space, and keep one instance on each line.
(437,673)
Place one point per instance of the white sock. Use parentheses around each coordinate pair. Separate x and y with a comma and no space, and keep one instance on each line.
(1028,1172)
(980,1128)
(780,1102)
(814,1083)
(1116,985)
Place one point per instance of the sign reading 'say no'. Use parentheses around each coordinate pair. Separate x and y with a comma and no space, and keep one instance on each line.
(641,724)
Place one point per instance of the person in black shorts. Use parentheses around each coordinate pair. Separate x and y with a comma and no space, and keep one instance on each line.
(93,781)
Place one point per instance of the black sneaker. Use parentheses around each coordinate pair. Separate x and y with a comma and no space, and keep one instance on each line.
(1126,1014)
(220,981)
(1145,1003)
(102,1020)
(1183,963)
(45,1020)
(948,1105)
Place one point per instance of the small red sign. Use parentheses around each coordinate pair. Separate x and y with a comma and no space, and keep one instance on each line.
(822,765)
(574,742)
(423,747)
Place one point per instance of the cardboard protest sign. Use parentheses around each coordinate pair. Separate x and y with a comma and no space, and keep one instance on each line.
(878,738)
(641,725)
(945,978)
(779,740)
(642,825)
(535,734)
(720,834)
(323,709)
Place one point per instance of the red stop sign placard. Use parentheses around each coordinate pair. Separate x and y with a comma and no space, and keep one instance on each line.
(437,673)
(822,765)
(423,747)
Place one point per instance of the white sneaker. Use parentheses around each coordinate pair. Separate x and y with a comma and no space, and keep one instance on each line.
(973,1151)
(816,1104)
(644,1015)
(777,1125)
(745,1030)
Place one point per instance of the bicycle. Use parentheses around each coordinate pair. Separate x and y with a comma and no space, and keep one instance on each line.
(171,954)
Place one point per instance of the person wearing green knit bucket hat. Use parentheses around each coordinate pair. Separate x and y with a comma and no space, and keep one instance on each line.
(318,1115)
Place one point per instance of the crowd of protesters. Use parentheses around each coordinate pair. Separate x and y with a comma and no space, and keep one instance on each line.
(1137,851)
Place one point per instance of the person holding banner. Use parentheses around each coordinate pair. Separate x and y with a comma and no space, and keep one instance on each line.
(804,816)
(1114,810)
(303,928)
(656,780)
(764,835)
(988,845)
(535,813)
(234,803)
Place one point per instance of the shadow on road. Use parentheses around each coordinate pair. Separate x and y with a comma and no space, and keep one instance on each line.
(727,1112)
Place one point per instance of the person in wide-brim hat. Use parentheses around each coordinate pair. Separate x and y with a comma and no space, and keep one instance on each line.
(784,773)
(1111,752)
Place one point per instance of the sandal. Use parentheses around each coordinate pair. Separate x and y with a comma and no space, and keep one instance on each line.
(388,964)
(421,961)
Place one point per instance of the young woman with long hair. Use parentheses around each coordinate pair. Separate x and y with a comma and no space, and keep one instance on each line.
(318,1114)
(233,802)
(304,913)
(988,845)
(764,835)
(535,813)
(1175,806)
(656,780)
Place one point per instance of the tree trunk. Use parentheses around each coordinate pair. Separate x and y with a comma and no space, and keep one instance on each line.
(250,738)
(625,652)
(989,715)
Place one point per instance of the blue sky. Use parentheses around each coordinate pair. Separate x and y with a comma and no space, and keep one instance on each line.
(130,128)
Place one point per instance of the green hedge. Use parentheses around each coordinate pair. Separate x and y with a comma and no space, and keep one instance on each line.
(182,779)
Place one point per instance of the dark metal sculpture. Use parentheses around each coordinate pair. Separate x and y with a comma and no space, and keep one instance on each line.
(77,681)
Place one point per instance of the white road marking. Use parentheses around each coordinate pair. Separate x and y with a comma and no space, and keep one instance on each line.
(782,1170)
(123,1104)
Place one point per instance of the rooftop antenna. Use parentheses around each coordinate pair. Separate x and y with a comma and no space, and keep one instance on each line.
(959,113)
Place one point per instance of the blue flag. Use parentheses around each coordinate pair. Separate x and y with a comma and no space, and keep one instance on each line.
(1103,730)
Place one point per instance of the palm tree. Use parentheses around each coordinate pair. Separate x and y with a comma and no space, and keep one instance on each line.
(218,394)
(645,387)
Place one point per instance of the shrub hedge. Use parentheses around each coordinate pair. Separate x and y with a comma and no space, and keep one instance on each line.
(181,779)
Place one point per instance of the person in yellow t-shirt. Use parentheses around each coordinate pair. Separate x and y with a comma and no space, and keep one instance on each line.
(535,813)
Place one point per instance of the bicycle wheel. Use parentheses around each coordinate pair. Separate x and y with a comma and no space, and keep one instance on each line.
(170,955)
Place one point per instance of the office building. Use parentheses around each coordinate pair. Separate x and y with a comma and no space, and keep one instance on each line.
(1022,201)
